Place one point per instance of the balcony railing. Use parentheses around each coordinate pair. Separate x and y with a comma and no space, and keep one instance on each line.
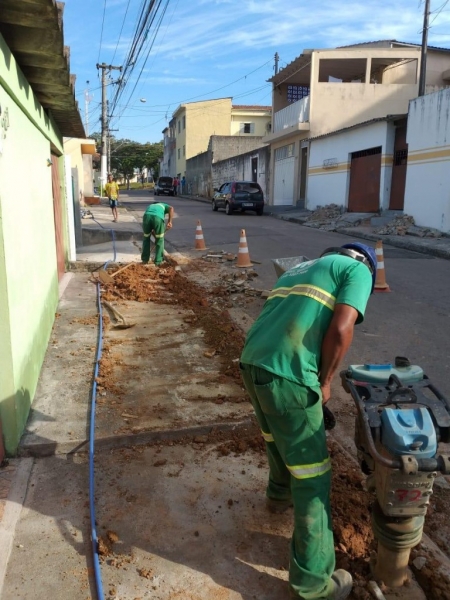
(297,112)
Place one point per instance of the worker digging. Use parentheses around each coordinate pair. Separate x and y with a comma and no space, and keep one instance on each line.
(290,356)
(154,222)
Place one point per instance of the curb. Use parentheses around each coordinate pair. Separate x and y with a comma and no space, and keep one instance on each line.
(11,514)
(47,449)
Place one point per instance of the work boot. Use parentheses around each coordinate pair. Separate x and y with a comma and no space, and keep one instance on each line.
(277,507)
(341,585)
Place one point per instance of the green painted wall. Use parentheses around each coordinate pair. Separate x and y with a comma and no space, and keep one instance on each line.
(28,275)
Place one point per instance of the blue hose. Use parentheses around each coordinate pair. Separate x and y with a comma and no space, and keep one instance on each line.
(94,537)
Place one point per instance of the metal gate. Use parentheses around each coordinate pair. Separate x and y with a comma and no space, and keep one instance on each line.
(57,213)
(283,191)
(365,173)
(398,183)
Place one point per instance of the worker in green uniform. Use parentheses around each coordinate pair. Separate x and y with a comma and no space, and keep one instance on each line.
(154,222)
(290,356)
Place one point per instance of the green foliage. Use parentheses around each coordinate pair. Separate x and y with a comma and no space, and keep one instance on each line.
(127,156)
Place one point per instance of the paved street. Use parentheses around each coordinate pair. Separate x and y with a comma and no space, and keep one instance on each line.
(411,321)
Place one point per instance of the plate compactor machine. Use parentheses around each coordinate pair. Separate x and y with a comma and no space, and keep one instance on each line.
(401,421)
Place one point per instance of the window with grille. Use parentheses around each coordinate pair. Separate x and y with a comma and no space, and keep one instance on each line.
(400,157)
(284,152)
(368,152)
(296,92)
(247,128)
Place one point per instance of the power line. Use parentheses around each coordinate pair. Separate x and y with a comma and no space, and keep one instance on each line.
(121,29)
(101,33)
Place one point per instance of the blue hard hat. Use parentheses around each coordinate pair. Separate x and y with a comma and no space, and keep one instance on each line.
(370,255)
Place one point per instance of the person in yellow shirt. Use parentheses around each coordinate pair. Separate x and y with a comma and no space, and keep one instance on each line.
(112,191)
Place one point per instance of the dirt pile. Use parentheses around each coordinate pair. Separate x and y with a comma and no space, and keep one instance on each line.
(170,286)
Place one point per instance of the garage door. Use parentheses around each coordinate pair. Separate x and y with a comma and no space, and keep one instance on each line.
(283,192)
(364,193)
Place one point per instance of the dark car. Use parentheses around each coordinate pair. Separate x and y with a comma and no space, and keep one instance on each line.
(164,185)
(239,195)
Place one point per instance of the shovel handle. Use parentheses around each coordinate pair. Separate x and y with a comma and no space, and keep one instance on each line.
(115,312)
(122,269)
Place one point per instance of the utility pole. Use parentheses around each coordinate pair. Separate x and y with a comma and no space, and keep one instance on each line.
(104,151)
(109,149)
(423,59)
(277,58)
(87,99)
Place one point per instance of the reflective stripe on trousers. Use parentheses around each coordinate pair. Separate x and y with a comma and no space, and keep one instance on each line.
(303,471)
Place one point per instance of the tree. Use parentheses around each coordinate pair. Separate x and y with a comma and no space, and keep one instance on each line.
(128,156)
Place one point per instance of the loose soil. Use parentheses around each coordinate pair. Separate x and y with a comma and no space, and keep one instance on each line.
(210,312)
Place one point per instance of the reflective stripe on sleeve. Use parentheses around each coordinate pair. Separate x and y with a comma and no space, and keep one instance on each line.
(161,235)
(311,291)
(147,234)
(308,471)
(268,437)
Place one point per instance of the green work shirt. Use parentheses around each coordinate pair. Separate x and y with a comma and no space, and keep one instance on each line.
(286,339)
(159,210)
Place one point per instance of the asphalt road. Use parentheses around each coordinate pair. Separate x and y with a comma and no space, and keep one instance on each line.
(413,320)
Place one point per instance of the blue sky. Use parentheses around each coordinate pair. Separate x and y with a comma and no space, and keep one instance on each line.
(216,48)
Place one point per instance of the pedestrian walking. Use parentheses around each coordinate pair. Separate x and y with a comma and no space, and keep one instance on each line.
(290,356)
(154,222)
(176,183)
(183,185)
(112,192)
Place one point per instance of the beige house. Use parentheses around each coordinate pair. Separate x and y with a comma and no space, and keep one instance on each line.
(195,122)
(323,91)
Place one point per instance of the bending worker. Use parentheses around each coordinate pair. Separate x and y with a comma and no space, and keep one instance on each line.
(290,356)
(154,222)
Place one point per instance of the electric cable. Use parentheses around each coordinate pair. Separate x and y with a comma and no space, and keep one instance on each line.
(101,33)
(120,33)
(94,536)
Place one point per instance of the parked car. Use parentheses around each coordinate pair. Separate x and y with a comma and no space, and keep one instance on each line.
(164,185)
(239,195)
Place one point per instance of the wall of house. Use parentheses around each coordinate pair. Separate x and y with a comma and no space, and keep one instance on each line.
(28,272)
(329,164)
(261,122)
(240,168)
(427,196)
(203,119)
(198,168)
(354,103)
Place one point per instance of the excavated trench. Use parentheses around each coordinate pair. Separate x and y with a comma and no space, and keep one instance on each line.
(199,295)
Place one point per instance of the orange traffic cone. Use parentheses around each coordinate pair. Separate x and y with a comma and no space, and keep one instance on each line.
(199,239)
(380,282)
(243,255)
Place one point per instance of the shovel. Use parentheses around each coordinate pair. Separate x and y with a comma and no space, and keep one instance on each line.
(107,278)
(121,323)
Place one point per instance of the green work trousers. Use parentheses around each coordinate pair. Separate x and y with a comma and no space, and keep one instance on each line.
(291,420)
(153,224)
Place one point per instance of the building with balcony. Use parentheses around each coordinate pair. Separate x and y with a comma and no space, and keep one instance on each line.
(322,96)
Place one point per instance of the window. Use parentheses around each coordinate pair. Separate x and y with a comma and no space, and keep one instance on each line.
(179,153)
(184,150)
(284,152)
(184,121)
(296,92)
(247,128)
(179,126)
